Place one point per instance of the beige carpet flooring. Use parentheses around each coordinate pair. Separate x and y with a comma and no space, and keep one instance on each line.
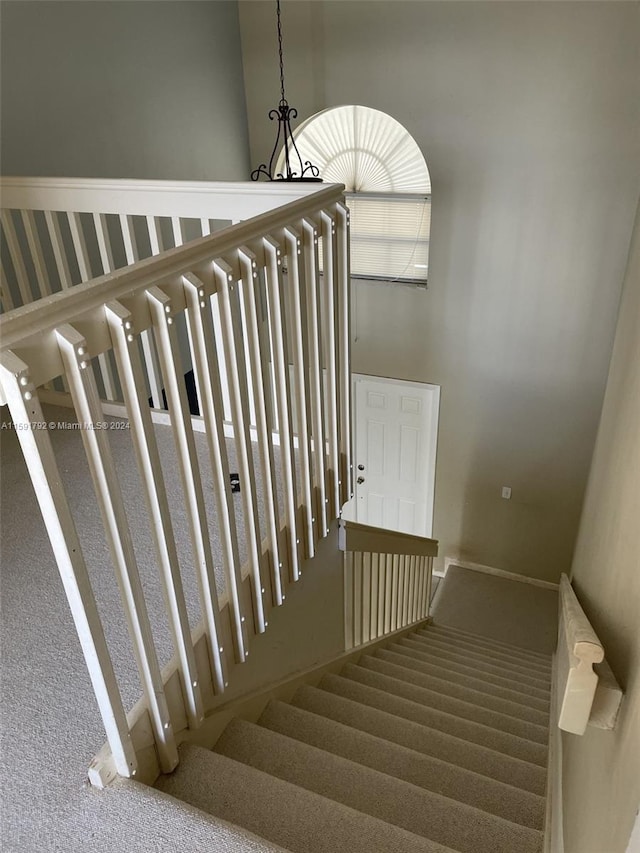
(50,725)
(513,612)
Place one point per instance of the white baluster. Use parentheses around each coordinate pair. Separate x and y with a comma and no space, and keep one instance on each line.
(84,393)
(59,253)
(357,598)
(296,291)
(173,375)
(395,593)
(37,258)
(344,348)
(231,328)
(155,235)
(258,360)
(84,267)
(5,291)
(125,346)
(329,324)
(104,243)
(310,244)
(16,257)
(132,255)
(207,370)
(39,457)
(366,597)
(348,600)
(277,316)
(375,596)
(388,594)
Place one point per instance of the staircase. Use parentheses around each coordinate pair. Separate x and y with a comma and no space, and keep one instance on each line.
(436,742)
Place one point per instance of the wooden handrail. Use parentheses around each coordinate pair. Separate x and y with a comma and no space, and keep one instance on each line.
(578,649)
(588,691)
(582,640)
(376,540)
(189,199)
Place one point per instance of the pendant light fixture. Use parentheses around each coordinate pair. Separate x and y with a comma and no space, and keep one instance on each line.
(293,169)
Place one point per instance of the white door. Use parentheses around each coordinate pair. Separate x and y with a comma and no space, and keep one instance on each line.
(396,431)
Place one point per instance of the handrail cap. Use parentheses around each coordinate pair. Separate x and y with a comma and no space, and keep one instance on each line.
(582,640)
(377,540)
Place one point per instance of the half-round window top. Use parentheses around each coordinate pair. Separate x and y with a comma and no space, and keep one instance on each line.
(364,149)
(387,188)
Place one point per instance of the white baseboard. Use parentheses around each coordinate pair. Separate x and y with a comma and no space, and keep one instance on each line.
(553,823)
(489,570)
(158,416)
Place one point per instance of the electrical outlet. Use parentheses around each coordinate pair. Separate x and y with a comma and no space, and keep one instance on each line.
(506,492)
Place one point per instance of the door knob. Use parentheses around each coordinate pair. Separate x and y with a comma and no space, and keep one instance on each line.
(360,467)
(360,480)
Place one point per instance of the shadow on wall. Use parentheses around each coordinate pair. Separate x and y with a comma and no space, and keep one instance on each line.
(404,332)
(527,441)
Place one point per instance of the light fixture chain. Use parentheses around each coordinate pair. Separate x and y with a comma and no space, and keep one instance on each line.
(280,52)
(298,170)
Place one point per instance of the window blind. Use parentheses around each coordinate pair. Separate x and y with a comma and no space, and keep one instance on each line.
(387,184)
(390,236)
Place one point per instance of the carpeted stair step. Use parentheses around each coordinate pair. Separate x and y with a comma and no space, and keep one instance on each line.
(481,664)
(285,814)
(466,692)
(488,641)
(388,757)
(367,690)
(463,673)
(388,676)
(533,669)
(446,821)
(419,737)
(148,820)
(518,659)
(514,665)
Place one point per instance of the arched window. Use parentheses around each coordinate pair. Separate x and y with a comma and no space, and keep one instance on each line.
(387,185)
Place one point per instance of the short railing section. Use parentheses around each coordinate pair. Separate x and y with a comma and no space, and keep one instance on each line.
(588,693)
(103,322)
(387,581)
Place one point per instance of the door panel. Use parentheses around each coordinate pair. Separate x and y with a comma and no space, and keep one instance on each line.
(396,427)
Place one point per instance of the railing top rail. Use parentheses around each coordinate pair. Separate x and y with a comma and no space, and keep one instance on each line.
(47,313)
(363,537)
(582,640)
(200,199)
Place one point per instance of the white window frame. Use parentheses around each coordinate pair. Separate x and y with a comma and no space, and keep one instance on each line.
(376,158)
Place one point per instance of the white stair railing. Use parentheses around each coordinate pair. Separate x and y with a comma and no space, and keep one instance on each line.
(250,293)
(57,233)
(387,581)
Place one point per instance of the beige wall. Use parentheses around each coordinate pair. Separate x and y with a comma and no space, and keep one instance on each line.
(131,89)
(527,114)
(602,769)
(307,630)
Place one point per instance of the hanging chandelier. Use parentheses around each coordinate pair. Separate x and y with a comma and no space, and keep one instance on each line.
(294,169)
